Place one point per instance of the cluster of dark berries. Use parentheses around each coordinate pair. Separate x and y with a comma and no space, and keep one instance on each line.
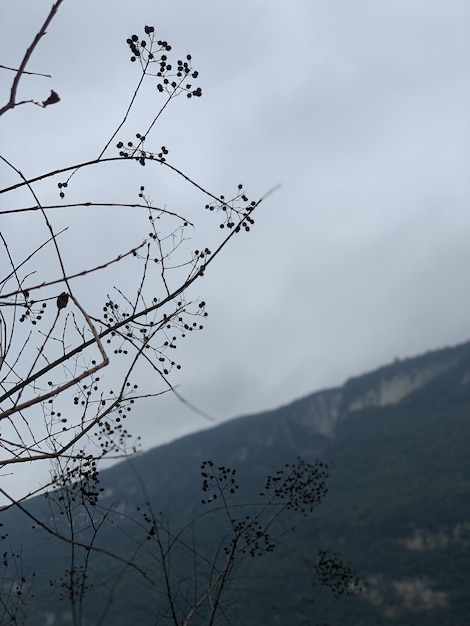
(250,538)
(110,310)
(112,435)
(333,573)
(237,210)
(30,314)
(183,71)
(154,524)
(62,186)
(198,258)
(201,254)
(130,151)
(87,391)
(217,481)
(172,79)
(78,482)
(138,47)
(168,343)
(300,485)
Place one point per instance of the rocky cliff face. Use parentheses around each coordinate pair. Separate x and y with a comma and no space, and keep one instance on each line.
(392,388)
(320,412)
(386,386)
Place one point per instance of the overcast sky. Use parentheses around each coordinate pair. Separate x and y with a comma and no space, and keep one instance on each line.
(360,110)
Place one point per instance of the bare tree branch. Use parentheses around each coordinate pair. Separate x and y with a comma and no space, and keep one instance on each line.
(40,34)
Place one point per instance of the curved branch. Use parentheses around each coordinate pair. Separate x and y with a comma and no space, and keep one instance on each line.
(21,70)
(71,276)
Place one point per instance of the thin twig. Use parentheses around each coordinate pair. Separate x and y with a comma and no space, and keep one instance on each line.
(21,70)
(78,274)
(5,67)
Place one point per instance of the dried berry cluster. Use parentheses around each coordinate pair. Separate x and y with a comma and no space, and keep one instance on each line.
(249,538)
(138,46)
(237,210)
(154,525)
(129,150)
(183,70)
(35,316)
(333,573)
(62,186)
(217,481)
(150,51)
(31,314)
(112,436)
(78,482)
(73,583)
(299,486)
(148,330)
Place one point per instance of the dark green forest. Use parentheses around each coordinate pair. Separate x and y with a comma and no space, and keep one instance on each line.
(396,512)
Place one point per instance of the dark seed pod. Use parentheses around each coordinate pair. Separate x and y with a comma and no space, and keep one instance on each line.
(62,300)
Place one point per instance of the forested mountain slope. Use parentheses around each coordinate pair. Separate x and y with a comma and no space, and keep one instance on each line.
(397,445)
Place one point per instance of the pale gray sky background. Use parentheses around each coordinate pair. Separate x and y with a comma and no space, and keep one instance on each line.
(359,109)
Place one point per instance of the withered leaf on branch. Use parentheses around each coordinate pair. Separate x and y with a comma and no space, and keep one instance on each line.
(62,300)
(52,99)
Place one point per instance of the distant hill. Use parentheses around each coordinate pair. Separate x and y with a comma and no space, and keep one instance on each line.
(397,443)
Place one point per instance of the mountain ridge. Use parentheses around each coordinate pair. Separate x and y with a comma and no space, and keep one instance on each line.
(387,385)
(316,417)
